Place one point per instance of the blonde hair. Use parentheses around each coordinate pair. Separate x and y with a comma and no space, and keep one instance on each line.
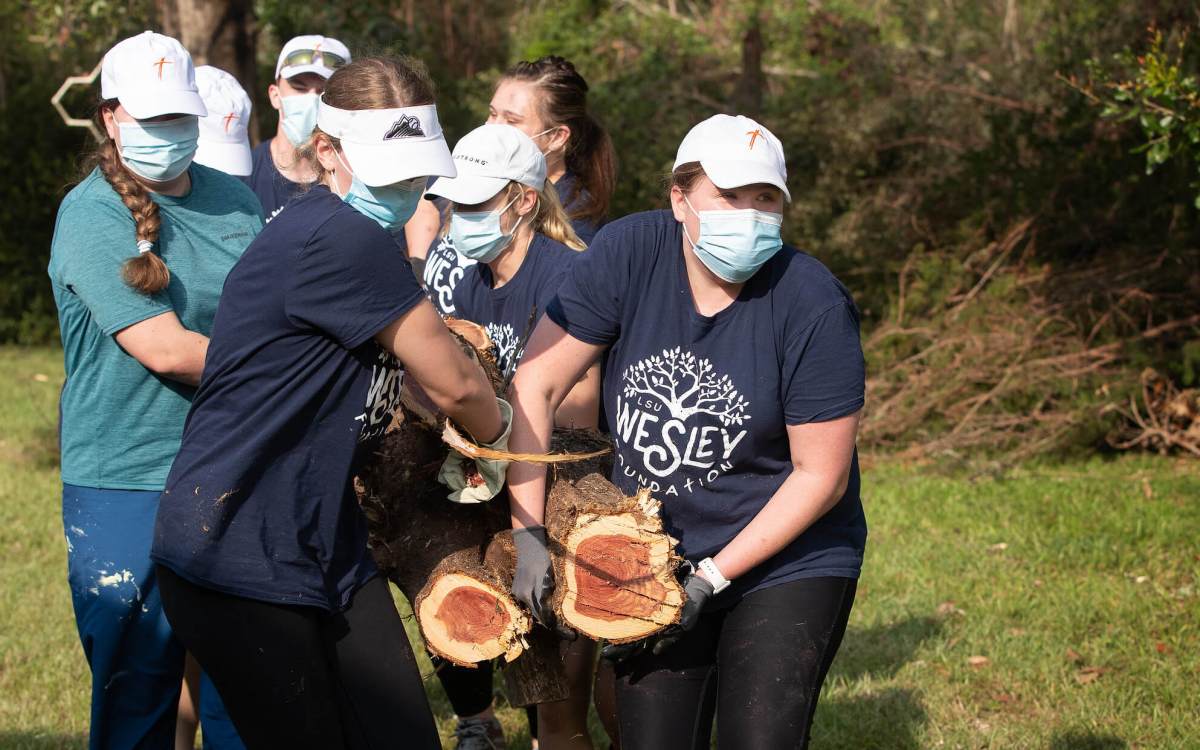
(145,272)
(549,216)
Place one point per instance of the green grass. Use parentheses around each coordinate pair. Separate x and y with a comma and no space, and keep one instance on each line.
(1077,583)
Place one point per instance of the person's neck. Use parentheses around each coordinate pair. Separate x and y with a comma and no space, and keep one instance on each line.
(288,162)
(710,293)
(556,166)
(505,265)
(176,188)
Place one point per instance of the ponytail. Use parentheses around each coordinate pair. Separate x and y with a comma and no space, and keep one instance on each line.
(551,219)
(589,153)
(146,272)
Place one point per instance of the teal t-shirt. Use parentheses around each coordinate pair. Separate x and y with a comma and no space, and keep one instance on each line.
(121,423)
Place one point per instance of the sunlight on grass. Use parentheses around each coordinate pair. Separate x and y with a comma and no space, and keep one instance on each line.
(1056,607)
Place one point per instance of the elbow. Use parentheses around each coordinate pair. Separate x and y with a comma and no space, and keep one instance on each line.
(162,362)
(461,395)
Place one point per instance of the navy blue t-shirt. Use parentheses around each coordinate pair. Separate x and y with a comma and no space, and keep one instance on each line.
(259,502)
(505,312)
(272,188)
(699,405)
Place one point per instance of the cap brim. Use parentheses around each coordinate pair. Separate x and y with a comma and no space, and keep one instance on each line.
(379,164)
(736,174)
(289,71)
(143,105)
(468,189)
(230,158)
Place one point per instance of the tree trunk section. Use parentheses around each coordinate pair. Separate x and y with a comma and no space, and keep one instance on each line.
(222,33)
(614,563)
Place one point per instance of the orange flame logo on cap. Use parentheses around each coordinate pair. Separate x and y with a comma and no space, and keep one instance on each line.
(754,135)
(227,119)
(160,63)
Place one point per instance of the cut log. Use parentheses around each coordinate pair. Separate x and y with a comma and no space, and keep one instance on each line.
(614,563)
(466,613)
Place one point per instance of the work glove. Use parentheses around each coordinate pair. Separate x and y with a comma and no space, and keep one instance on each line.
(697,591)
(477,480)
(533,581)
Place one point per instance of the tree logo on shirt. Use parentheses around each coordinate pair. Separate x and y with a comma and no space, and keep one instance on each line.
(506,341)
(407,126)
(682,417)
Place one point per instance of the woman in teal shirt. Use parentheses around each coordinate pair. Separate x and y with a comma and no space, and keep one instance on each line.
(141,249)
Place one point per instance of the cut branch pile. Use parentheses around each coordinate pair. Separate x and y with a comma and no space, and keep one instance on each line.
(997,356)
(1163,419)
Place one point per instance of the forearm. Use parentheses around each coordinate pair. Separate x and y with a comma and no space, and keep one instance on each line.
(802,499)
(475,406)
(581,408)
(189,361)
(533,419)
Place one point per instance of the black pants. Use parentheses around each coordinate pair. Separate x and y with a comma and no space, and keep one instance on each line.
(301,677)
(758,665)
(470,691)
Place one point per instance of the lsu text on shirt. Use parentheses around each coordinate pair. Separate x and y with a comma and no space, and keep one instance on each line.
(260,502)
(121,423)
(699,405)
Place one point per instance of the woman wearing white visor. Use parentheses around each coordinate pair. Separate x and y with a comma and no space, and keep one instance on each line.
(734,384)
(509,222)
(260,543)
(141,248)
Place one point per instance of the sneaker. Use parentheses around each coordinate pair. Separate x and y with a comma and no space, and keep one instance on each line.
(480,734)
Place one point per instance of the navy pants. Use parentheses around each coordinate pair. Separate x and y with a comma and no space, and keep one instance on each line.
(136,662)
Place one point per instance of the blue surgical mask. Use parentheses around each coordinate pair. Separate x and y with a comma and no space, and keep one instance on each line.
(477,234)
(159,151)
(735,243)
(299,117)
(389,206)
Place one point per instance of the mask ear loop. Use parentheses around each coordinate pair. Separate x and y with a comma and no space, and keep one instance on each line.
(337,154)
(683,225)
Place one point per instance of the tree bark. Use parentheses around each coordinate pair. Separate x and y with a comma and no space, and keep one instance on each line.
(614,566)
(222,33)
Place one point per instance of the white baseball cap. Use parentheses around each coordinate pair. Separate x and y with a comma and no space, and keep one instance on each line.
(487,159)
(386,146)
(735,151)
(224,142)
(311,53)
(151,75)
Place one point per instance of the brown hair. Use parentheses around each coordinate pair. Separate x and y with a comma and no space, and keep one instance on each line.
(145,272)
(589,153)
(381,82)
(684,176)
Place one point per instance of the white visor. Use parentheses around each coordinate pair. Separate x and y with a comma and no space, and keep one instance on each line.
(386,146)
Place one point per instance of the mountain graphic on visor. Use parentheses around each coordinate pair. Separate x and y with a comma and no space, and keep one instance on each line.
(406,127)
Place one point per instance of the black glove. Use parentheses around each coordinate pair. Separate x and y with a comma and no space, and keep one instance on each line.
(533,581)
(697,591)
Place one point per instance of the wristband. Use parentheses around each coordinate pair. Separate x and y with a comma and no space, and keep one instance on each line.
(713,574)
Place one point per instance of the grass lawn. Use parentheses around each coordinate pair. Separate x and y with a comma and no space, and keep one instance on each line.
(1057,607)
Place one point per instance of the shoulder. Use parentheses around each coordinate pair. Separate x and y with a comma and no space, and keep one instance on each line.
(552,253)
(214,184)
(805,288)
(639,235)
(92,193)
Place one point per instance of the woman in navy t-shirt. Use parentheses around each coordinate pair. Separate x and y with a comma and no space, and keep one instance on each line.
(507,220)
(734,383)
(260,543)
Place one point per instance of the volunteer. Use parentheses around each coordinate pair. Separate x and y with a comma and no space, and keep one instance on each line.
(506,220)
(224,140)
(278,170)
(734,383)
(547,100)
(141,248)
(260,543)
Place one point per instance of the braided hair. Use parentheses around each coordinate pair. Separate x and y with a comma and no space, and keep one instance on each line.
(146,272)
(589,153)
